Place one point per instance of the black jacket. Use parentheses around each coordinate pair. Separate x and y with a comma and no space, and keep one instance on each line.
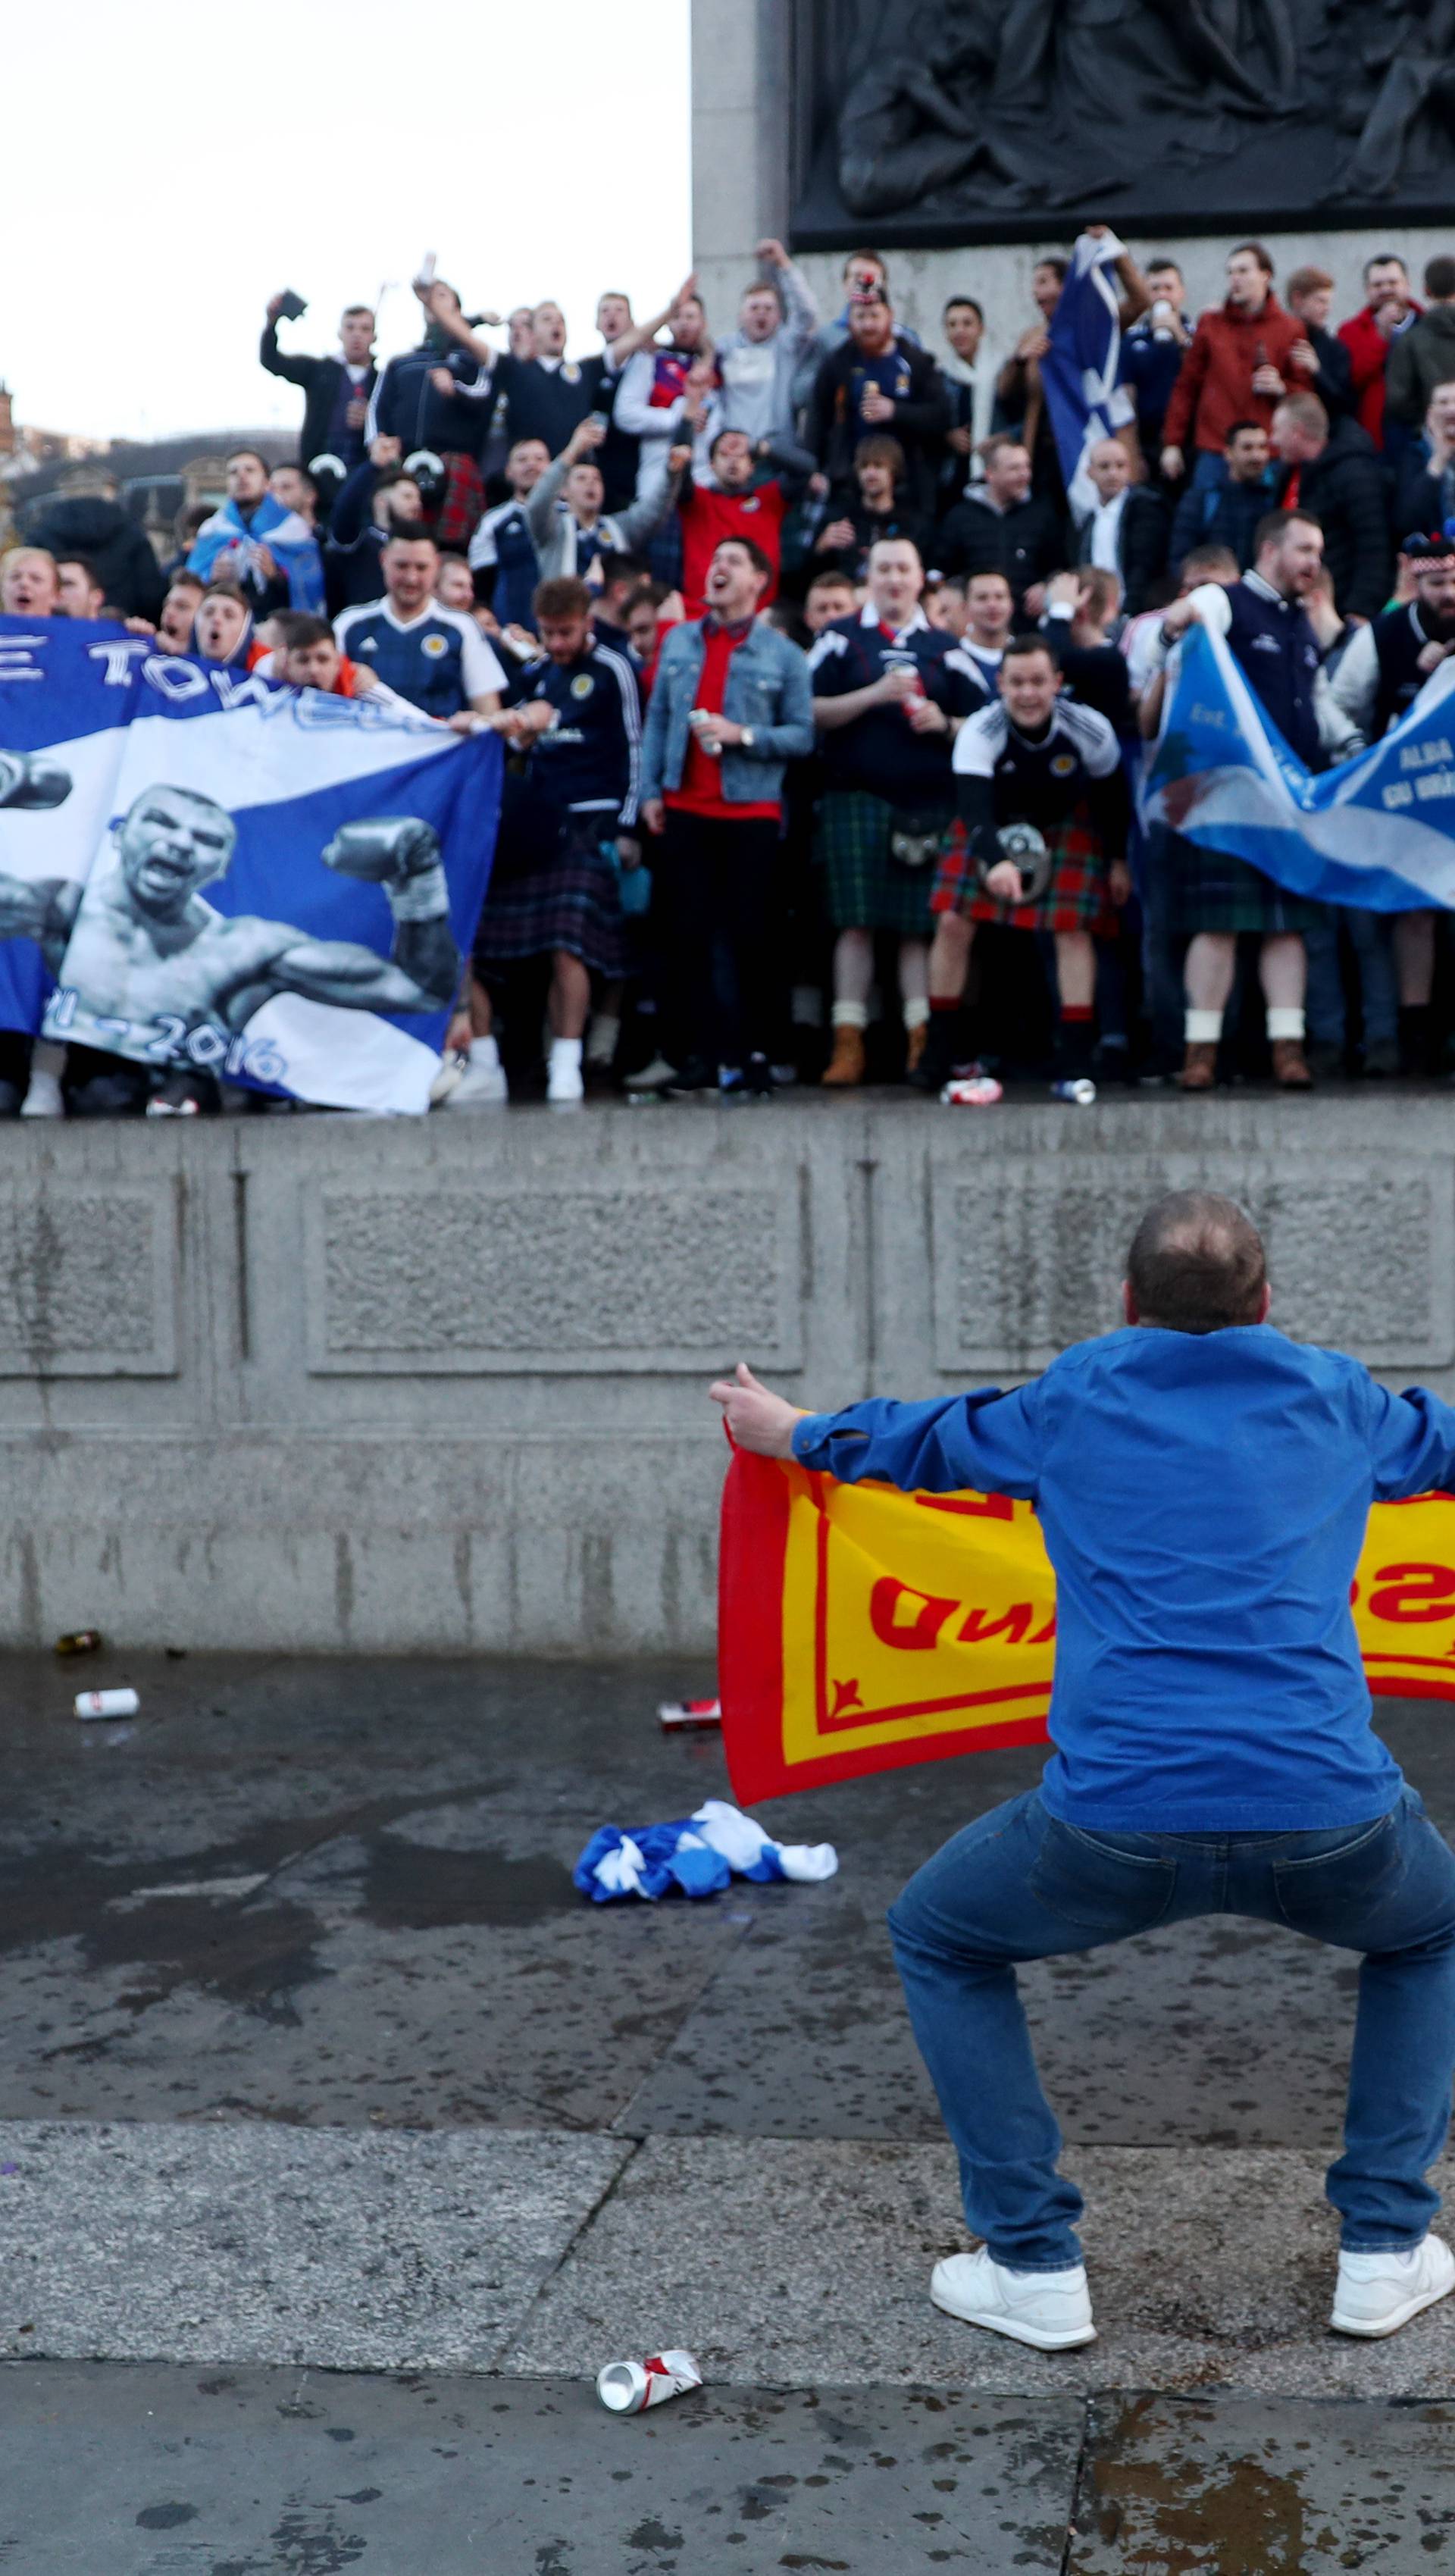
(125,564)
(921,417)
(1345,490)
(406,406)
(320,379)
(1141,546)
(1334,383)
(1026,542)
(901,521)
(1222,514)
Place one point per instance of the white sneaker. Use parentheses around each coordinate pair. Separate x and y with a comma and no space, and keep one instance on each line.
(1376,2294)
(481,1086)
(1052,2310)
(43,1097)
(564,1085)
(653,1077)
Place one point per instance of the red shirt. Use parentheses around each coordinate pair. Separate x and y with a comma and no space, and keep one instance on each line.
(701,789)
(708,516)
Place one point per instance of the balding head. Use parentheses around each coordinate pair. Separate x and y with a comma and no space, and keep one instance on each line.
(1196,1266)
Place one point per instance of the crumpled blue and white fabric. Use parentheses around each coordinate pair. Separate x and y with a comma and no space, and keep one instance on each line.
(697,1854)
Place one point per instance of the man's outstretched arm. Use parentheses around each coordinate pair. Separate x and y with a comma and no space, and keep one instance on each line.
(402,855)
(986,1441)
(44,911)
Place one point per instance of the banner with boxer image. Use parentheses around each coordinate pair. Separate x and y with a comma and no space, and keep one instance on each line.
(861,1629)
(1377,831)
(270,884)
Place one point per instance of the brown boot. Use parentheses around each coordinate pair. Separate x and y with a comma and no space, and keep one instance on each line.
(1199,1065)
(846,1065)
(914,1047)
(1290,1069)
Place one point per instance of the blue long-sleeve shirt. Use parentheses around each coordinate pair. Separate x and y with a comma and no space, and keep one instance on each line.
(1203,1499)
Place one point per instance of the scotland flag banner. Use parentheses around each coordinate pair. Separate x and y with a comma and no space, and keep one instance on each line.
(1378,831)
(1081,366)
(200,868)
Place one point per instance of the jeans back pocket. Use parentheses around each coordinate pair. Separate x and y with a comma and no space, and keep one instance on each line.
(1339,1895)
(1097,1886)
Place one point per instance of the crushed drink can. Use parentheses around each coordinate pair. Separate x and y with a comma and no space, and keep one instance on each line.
(627,2387)
(675,1713)
(973,1091)
(110,1703)
(80,1641)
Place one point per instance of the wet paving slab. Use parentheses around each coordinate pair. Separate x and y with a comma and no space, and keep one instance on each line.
(340,1892)
(151,2472)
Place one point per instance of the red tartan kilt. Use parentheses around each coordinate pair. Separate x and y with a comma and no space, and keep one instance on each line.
(463,505)
(1075,898)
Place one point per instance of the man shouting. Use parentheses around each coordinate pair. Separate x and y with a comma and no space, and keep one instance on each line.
(1202,1486)
(156,964)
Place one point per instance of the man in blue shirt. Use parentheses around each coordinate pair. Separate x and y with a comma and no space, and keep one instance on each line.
(435,657)
(1203,1486)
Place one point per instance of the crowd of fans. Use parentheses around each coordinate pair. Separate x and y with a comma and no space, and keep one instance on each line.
(822,698)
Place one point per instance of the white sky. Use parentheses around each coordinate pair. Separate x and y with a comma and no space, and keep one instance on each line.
(538,151)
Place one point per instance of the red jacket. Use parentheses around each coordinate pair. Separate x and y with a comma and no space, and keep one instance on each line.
(1368,350)
(708,515)
(1215,386)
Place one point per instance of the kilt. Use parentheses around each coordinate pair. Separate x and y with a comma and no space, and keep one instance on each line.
(1075,898)
(867,889)
(551,887)
(463,505)
(1210,890)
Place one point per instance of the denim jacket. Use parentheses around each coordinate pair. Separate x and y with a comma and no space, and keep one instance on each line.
(767,689)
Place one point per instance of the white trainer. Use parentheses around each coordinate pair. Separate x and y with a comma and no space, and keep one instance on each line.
(564,1085)
(1376,2294)
(43,1096)
(1051,2310)
(481,1086)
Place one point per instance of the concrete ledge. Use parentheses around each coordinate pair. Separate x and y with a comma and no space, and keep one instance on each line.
(326,1382)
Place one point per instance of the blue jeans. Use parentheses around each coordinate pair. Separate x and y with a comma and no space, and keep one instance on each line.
(1372,937)
(1020,1884)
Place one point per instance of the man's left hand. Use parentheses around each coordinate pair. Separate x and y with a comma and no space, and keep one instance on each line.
(874,405)
(756,1418)
(925,717)
(442,380)
(1119,882)
(720,734)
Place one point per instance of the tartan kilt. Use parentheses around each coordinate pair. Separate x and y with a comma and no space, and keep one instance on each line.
(1075,898)
(551,887)
(463,505)
(867,889)
(1211,890)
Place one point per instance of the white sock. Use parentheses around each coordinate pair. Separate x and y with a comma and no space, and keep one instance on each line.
(565,1050)
(1285,1020)
(601,1043)
(851,1015)
(916,1012)
(1203,1028)
(485,1053)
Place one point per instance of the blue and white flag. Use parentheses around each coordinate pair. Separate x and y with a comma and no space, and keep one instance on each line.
(1080,369)
(1378,831)
(199,868)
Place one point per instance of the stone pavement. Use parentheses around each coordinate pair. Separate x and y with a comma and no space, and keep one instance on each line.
(340,2143)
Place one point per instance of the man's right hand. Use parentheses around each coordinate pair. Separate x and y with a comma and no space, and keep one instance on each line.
(1004,881)
(385,451)
(1172,464)
(893,686)
(586,435)
(756,1418)
(838,533)
(654,814)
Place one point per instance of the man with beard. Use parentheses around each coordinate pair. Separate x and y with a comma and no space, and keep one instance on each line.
(1378,680)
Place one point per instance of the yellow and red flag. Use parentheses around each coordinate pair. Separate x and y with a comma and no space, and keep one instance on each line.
(860,1628)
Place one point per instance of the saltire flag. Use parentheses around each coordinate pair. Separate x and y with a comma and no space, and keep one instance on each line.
(1080,368)
(862,1629)
(200,868)
(1377,831)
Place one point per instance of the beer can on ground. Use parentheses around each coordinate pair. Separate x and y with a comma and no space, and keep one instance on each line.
(627,2387)
(80,1641)
(112,1703)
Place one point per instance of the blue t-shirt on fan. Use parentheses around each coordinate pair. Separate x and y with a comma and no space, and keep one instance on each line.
(1203,1499)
